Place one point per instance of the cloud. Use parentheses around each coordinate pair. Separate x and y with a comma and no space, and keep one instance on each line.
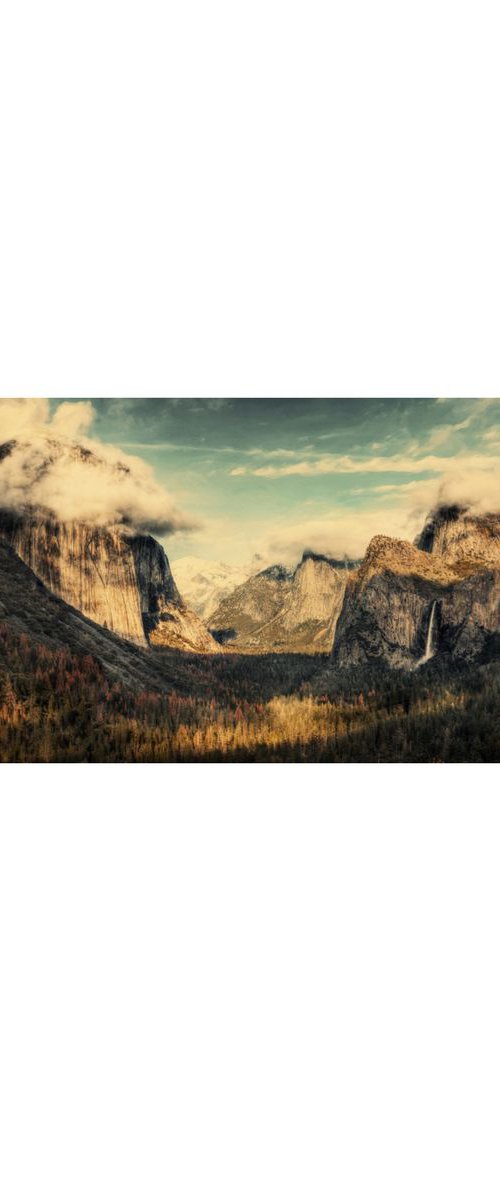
(73,420)
(279,453)
(335,464)
(397,508)
(338,533)
(478,489)
(475,485)
(202,447)
(22,416)
(474,408)
(43,467)
(442,433)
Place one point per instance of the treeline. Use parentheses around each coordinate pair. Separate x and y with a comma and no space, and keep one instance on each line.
(57,707)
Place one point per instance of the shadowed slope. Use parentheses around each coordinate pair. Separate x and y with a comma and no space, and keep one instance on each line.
(27,606)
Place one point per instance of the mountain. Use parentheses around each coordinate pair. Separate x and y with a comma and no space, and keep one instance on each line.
(121,581)
(284,610)
(457,535)
(28,608)
(407,602)
(402,605)
(204,583)
(241,618)
(117,577)
(167,620)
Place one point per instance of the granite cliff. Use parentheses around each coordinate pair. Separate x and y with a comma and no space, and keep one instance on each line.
(457,535)
(285,610)
(119,580)
(407,603)
(28,607)
(117,577)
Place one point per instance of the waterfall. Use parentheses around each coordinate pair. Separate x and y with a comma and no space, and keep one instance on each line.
(428,652)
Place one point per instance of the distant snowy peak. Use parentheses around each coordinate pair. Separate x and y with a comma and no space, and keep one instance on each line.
(203,583)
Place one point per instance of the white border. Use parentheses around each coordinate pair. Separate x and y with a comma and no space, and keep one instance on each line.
(212,991)
(227,982)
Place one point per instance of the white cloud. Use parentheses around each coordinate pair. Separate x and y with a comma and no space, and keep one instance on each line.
(334,464)
(279,453)
(397,508)
(22,416)
(46,469)
(338,533)
(442,433)
(73,420)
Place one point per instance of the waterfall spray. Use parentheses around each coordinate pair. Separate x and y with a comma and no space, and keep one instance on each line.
(429,651)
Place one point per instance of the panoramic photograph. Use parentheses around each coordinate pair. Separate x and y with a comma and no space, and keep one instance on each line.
(249,580)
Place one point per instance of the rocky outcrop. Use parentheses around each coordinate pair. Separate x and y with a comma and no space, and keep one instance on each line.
(281,610)
(456,535)
(387,605)
(242,618)
(28,607)
(90,567)
(101,565)
(167,620)
(404,604)
(309,616)
(468,618)
(119,580)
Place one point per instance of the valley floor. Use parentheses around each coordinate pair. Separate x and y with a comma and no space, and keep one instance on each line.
(60,707)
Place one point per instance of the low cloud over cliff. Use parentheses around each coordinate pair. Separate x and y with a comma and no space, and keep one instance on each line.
(48,461)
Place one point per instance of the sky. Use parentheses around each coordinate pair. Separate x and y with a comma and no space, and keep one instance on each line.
(274,477)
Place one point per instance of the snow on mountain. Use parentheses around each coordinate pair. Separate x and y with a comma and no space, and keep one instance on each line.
(203,583)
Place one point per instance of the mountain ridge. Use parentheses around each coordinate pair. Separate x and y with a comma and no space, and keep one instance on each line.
(106,566)
(400,588)
(282,609)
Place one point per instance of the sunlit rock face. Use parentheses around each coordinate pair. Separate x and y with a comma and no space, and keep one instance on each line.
(387,605)
(75,517)
(91,568)
(28,607)
(405,603)
(242,618)
(457,535)
(283,610)
(121,581)
(316,596)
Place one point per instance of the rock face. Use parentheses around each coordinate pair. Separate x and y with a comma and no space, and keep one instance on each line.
(282,610)
(121,581)
(90,568)
(387,605)
(469,622)
(102,566)
(166,620)
(242,618)
(456,536)
(28,607)
(406,603)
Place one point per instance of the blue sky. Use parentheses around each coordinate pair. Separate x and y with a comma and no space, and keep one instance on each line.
(275,476)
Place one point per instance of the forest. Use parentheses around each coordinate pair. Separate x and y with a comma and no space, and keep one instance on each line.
(59,707)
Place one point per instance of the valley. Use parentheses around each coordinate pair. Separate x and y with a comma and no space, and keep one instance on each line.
(394,656)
